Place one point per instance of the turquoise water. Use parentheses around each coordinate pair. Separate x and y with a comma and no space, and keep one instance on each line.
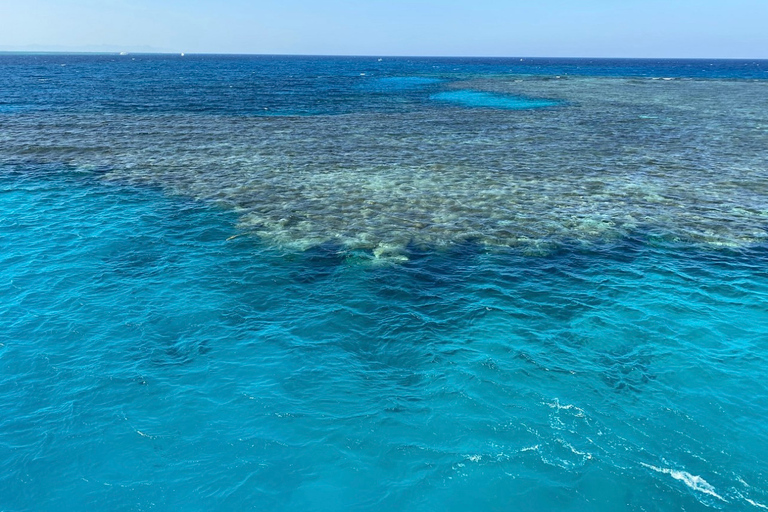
(215,310)
(488,100)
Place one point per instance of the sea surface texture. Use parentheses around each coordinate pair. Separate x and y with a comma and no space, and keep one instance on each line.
(235,283)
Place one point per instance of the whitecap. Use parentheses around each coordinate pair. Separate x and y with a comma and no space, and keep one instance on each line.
(756,504)
(695,482)
(567,407)
(585,455)
(142,434)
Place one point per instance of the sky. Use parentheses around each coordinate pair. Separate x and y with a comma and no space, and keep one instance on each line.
(543,28)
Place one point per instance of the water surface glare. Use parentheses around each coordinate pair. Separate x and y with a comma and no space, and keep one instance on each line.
(366,298)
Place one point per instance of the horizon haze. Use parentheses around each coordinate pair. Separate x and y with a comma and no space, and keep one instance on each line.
(456,28)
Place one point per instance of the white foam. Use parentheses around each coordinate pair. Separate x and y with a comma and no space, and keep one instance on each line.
(567,407)
(695,482)
(586,455)
(756,504)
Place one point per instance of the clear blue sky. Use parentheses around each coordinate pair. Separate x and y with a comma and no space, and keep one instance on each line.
(587,28)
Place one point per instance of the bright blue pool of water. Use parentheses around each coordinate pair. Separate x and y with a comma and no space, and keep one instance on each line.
(491,100)
(149,362)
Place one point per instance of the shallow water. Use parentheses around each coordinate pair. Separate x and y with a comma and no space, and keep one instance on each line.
(490,100)
(472,308)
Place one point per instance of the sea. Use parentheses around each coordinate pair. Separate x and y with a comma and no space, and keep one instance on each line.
(286,283)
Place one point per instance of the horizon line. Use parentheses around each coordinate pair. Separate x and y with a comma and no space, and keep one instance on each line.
(341,55)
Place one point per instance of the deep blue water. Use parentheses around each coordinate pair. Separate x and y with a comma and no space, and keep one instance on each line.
(446,284)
